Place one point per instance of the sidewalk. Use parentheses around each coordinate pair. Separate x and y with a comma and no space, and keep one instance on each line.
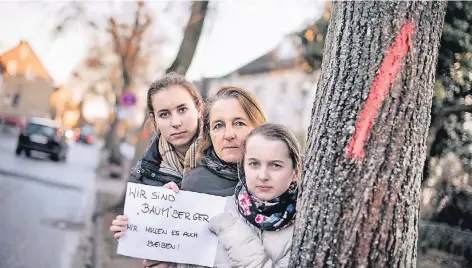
(109,192)
(8,139)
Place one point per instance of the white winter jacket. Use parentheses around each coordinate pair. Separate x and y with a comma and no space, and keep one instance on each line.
(243,245)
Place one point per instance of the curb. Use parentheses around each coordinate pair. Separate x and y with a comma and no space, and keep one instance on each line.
(83,256)
(44,181)
(97,236)
(89,252)
(107,189)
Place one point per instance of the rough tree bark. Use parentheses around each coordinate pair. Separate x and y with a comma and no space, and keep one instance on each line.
(359,198)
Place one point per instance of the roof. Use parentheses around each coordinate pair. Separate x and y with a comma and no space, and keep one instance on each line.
(266,63)
(23,60)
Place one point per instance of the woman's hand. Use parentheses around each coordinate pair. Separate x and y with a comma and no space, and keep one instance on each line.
(118,226)
(172,185)
(158,264)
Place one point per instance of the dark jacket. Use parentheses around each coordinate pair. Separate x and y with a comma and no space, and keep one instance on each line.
(204,180)
(150,170)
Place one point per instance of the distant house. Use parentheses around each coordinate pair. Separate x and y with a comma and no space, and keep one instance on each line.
(27,85)
(281,80)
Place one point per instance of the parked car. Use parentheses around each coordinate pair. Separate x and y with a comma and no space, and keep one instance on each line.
(86,135)
(43,135)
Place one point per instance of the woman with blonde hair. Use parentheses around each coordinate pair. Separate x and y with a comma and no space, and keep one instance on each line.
(229,116)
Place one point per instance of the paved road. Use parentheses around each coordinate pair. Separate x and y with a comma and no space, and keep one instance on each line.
(43,205)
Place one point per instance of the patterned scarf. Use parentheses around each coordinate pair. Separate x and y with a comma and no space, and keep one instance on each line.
(175,159)
(272,215)
(224,170)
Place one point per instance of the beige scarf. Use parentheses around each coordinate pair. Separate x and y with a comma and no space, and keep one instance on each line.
(181,163)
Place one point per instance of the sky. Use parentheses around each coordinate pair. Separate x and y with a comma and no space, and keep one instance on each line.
(235,32)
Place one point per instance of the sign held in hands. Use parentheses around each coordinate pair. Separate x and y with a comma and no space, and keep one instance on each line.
(169,227)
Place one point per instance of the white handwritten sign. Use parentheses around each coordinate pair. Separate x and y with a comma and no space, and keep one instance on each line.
(168,226)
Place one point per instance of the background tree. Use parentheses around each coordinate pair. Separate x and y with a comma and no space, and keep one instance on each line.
(366,145)
(127,45)
(447,133)
(447,190)
(451,102)
(313,39)
(181,64)
(126,39)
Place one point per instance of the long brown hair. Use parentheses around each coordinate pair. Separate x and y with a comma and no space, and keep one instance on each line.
(248,102)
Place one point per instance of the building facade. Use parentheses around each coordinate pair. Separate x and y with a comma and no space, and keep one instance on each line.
(27,85)
(280,80)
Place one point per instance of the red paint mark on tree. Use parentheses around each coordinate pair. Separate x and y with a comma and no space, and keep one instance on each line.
(388,71)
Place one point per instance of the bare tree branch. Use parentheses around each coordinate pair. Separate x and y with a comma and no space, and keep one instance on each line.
(136,28)
(456,109)
(191,37)
(113,30)
(134,51)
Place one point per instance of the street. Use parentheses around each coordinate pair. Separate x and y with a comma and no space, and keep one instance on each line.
(44,205)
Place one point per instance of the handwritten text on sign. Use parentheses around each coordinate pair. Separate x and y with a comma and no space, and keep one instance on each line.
(168,226)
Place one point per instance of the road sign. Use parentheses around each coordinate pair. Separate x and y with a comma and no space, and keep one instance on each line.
(128,99)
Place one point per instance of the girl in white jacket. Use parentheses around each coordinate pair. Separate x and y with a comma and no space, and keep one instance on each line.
(257,226)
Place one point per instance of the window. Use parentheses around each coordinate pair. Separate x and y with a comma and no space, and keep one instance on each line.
(33,128)
(16,100)
(12,67)
(30,75)
(23,52)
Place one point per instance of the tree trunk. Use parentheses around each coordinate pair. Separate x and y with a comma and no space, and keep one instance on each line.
(81,121)
(192,34)
(359,196)
(112,141)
